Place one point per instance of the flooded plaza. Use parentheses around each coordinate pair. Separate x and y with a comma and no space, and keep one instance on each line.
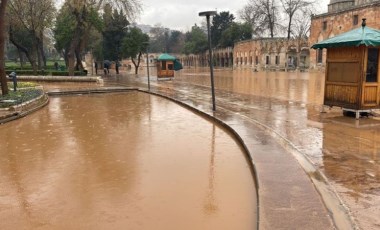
(289,105)
(122,161)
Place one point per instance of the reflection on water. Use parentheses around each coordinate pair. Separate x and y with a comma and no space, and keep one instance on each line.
(121,161)
(292,86)
(347,151)
(351,160)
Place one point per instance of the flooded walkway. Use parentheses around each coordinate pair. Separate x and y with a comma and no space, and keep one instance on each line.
(281,111)
(117,161)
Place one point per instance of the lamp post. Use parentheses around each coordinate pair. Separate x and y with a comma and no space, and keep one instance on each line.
(208,14)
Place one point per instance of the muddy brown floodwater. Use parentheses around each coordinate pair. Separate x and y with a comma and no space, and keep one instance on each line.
(345,150)
(122,161)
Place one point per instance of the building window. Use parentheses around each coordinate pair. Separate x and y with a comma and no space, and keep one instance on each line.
(372,64)
(319,55)
(324,25)
(267,60)
(277,60)
(356,20)
(257,60)
(163,65)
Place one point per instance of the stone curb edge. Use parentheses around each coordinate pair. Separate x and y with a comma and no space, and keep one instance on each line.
(340,213)
(235,135)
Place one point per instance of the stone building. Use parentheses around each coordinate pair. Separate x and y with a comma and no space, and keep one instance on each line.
(342,16)
(223,57)
(258,54)
(272,54)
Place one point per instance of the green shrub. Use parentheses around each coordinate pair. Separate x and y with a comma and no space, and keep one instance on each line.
(19,97)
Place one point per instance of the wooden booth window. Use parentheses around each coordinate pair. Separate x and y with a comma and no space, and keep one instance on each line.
(344,72)
(163,65)
(372,65)
(170,66)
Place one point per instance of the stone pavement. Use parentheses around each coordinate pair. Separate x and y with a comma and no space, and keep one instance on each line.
(290,186)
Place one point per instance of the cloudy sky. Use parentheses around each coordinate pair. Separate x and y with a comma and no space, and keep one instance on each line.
(182,14)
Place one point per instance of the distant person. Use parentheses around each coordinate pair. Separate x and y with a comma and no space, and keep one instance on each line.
(117,67)
(106,66)
(56,66)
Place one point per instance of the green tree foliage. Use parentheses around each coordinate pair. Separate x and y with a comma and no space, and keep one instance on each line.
(220,23)
(195,41)
(65,26)
(134,45)
(80,9)
(64,29)
(115,29)
(34,17)
(234,33)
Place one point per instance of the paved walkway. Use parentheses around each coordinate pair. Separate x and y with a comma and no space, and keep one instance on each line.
(287,197)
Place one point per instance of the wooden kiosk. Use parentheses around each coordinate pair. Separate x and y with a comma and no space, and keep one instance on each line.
(166,65)
(352,76)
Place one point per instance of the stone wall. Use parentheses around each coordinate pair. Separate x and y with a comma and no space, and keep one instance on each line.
(272,54)
(331,24)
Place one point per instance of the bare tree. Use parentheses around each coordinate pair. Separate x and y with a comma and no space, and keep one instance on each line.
(291,7)
(264,15)
(301,29)
(3,77)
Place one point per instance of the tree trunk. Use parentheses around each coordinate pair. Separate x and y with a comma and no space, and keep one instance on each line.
(21,56)
(79,65)
(137,65)
(23,49)
(3,76)
(289,29)
(41,46)
(75,42)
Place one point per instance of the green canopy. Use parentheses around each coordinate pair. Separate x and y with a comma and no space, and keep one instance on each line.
(166,57)
(360,36)
(177,65)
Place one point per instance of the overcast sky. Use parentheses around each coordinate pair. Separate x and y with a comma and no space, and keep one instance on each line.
(183,14)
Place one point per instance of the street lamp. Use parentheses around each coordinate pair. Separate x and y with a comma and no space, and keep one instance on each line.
(208,14)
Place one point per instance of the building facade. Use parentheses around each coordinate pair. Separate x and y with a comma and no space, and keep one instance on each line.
(342,16)
(272,54)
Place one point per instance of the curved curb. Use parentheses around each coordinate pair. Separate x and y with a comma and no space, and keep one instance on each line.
(235,135)
(340,213)
(43,99)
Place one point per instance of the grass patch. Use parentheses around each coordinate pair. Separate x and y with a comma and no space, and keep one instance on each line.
(20,96)
(22,85)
